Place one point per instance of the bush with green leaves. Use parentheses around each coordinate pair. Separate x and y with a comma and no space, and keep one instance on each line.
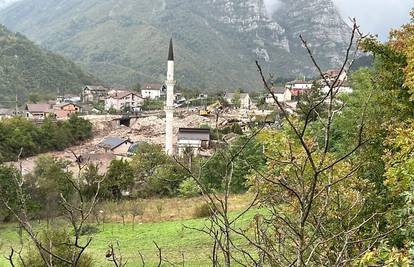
(119,177)
(8,189)
(56,240)
(156,173)
(19,134)
(189,188)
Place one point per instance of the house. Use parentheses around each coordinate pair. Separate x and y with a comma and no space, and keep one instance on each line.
(6,113)
(153,90)
(92,93)
(281,94)
(116,90)
(340,88)
(333,74)
(38,111)
(245,101)
(193,139)
(64,110)
(115,145)
(341,79)
(124,100)
(298,87)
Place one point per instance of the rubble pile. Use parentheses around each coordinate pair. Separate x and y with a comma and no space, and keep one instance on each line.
(149,126)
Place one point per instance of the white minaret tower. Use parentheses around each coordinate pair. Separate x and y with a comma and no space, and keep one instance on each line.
(169,106)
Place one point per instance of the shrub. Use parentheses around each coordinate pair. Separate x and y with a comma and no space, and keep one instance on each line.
(189,188)
(58,240)
(204,211)
(89,230)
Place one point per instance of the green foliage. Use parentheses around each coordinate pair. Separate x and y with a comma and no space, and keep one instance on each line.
(136,41)
(215,169)
(153,104)
(27,69)
(88,230)
(18,133)
(8,189)
(308,101)
(80,128)
(399,174)
(189,188)
(49,181)
(119,177)
(156,174)
(91,177)
(384,256)
(56,241)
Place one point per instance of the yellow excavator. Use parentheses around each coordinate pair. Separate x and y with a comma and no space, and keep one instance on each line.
(211,108)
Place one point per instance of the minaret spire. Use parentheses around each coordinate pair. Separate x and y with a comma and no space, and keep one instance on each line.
(171,51)
(169,105)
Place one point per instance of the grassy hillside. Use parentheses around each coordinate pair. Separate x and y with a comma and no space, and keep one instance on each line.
(26,68)
(124,42)
(172,236)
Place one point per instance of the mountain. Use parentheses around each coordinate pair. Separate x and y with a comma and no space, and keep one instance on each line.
(216,41)
(25,68)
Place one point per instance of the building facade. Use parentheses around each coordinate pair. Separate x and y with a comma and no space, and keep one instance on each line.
(281,94)
(92,93)
(192,140)
(38,111)
(65,110)
(123,100)
(244,98)
(153,91)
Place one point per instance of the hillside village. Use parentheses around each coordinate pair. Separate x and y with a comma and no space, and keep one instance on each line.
(121,121)
(205,133)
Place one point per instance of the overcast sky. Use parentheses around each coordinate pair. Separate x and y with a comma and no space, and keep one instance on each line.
(377,16)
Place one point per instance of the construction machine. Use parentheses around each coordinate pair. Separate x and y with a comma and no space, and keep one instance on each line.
(211,108)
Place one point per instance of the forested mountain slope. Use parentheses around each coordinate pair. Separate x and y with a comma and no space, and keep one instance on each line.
(26,68)
(217,41)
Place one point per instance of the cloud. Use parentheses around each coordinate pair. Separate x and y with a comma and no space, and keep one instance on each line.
(271,6)
(377,16)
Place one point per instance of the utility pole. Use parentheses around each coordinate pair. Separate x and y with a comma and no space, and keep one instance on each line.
(16,106)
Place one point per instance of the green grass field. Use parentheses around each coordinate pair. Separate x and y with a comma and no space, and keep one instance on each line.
(172,236)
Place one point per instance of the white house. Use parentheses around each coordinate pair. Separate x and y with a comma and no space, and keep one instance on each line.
(245,101)
(122,100)
(341,89)
(153,90)
(281,94)
(297,87)
(193,140)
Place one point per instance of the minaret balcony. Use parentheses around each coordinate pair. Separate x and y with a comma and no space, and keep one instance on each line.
(166,109)
(170,83)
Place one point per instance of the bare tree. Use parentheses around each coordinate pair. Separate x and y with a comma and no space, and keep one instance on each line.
(315,207)
(77,210)
(115,256)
